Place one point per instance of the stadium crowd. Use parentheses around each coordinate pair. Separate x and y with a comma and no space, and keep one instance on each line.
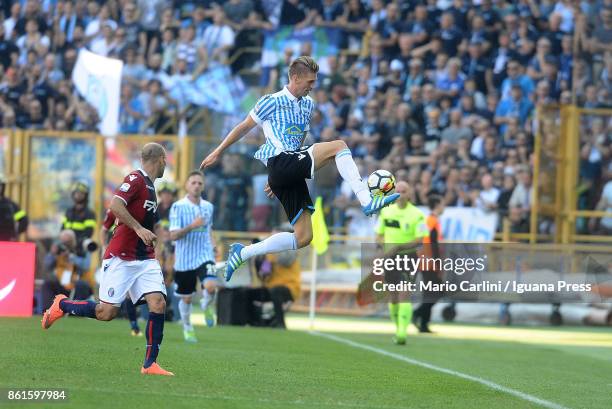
(442,93)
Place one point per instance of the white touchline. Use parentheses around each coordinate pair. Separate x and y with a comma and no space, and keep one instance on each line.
(492,385)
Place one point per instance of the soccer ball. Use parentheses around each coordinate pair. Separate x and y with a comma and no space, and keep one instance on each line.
(381,182)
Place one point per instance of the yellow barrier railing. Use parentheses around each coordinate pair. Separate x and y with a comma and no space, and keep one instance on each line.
(557,150)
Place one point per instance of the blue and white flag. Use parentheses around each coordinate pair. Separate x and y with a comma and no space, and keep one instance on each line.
(98,80)
(216,89)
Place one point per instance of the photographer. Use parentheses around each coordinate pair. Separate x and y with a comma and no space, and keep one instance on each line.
(280,277)
(79,218)
(65,266)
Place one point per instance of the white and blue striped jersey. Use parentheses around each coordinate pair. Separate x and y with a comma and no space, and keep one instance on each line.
(284,119)
(195,248)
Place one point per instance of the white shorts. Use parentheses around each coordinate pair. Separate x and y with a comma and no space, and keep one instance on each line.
(138,278)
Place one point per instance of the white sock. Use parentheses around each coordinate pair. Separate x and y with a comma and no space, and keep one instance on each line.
(349,172)
(276,243)
(185,311)
(207,299)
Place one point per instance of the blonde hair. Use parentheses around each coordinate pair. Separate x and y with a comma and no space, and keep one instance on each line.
(303,65)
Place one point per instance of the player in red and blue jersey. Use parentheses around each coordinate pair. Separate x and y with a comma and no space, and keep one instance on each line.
(129,265)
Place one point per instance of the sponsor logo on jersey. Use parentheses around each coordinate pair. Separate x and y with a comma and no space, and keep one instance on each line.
(150,205)
(294,130)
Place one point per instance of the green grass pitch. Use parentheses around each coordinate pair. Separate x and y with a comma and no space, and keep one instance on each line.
(98,364)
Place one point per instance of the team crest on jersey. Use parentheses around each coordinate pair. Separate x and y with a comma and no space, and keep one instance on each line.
(294,130)
(111,292)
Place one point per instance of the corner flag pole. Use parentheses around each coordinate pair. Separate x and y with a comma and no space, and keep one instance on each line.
(320,239)
(313,288)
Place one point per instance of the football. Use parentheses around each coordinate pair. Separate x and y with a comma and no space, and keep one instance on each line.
(381,182)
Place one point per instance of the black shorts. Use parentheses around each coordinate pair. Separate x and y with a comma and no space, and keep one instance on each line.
(287,174)
(186,281)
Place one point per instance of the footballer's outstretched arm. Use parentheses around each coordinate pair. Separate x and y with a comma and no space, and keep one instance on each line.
(235,135)
(118,208)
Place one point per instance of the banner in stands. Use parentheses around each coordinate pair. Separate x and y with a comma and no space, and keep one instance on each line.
(16,279)
(467,224)
(56,163)
(324,42)
(98,80)
(216,89)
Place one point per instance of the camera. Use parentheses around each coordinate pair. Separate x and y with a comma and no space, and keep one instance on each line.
(89,245)
(61,248)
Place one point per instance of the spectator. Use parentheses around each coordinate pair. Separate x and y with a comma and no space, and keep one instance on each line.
(516,77)
(168,48)
(520,202)
(388,29)
(601,42)
(51,74)
(455,131)
(536,64)
(9,23)
(66,266)
(134,36)
(354,23)
(489,195)
(235,197)
(95,28)
(604,204)
(34,119)
(31,12)
(150,19)
(218,38)
(452,37)
(32,39)
(104,44)
(374,131)
(155,71)
(69,20)
(133,69)
(403,124)
(131,111)
(450,83)
(9,52)
(296,13)
(157,106)
(329,13)
(186,48)
(13,220)
(516,106)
